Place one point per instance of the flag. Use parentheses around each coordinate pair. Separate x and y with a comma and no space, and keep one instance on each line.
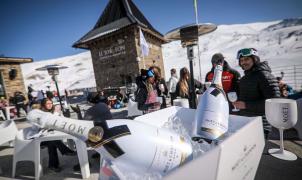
(143,43)
(195,6)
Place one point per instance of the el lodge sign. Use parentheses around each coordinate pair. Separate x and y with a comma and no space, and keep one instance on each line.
(112,51)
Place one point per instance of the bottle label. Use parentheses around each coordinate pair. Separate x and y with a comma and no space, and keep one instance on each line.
(212,114)
(170,154)
(213,124)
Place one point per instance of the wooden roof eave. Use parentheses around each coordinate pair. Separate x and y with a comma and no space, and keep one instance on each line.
(15,60)
(85,45)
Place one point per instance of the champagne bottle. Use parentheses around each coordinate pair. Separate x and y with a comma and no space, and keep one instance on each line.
(212,114)
(130,145)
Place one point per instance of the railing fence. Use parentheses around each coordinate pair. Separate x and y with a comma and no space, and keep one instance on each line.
(292,75)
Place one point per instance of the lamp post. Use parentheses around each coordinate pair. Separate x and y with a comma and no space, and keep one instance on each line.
(188,34)
(53,71)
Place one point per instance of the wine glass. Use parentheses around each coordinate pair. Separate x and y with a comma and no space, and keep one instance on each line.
(282,114)
(233,98)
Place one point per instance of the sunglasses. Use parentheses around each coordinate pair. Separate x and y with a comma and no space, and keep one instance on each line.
(246,52)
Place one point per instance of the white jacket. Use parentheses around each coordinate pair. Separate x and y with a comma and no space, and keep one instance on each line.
(172,84)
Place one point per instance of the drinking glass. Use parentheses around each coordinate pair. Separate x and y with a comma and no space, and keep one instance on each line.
(233,98)
(162,87)
(282,114)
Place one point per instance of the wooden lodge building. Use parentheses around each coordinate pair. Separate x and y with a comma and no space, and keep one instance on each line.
(11,79)
(115,47)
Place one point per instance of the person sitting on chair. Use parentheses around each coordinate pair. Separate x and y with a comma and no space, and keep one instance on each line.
(53,160)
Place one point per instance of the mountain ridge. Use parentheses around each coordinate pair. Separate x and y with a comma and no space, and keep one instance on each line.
(278,42)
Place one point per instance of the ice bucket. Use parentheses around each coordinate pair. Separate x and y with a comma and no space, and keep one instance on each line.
(236,157)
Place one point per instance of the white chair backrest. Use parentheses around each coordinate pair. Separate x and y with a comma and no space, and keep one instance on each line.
(8,131)
(2,115)
(159,99)
(182,102)
(132,108)
(27,150)
(24,146)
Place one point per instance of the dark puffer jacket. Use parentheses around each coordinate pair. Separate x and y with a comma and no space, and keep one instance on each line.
(141,96)
(257,85)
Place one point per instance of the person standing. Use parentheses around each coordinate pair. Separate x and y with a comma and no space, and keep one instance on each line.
(257,85)
(160,85)
(140,78)
(172,85)
(146,96)
(183,88)
(19,102)
(230,77)
(29,94)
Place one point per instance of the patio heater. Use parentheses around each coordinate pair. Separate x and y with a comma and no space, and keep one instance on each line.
(188,34)
(53,71)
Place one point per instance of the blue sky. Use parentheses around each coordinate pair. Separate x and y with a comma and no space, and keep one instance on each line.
(46,29)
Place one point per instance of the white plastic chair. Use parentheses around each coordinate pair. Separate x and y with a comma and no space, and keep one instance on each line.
(27,150)
(132,108)
(80,147)
(8,131)
(2,115)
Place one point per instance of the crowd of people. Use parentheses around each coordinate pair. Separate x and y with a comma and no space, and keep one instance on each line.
(115,98)
(19,102)
(255,86)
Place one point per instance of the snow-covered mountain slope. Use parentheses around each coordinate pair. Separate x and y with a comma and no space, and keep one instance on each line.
(79,73)
(278,42)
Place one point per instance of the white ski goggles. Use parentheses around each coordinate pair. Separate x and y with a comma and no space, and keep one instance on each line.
(246,52)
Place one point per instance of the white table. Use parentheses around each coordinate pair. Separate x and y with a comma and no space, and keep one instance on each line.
(7,111)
